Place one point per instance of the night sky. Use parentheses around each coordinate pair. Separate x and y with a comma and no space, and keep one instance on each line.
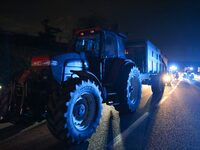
(174,26)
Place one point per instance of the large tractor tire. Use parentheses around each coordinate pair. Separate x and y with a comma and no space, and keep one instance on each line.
(74,112)
(130,91)
(157,84)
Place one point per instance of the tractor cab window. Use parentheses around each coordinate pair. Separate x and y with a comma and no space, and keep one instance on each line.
(110,49)
(89,43)
(121,48)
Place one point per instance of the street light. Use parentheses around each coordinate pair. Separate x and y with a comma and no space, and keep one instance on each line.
(173,68)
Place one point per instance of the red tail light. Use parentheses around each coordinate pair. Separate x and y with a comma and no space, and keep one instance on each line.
(40,61)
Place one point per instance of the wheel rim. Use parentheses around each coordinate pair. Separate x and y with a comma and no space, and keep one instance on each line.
(84,111)
(133,90)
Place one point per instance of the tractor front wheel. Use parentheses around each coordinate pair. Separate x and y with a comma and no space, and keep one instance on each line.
(75,111)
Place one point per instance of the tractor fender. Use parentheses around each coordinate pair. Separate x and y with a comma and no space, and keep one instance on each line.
(124,70)
(85,75)
(129,63)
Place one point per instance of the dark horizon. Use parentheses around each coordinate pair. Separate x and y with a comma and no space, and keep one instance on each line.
(174,27)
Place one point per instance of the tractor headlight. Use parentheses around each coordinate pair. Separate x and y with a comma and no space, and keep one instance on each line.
(73,66)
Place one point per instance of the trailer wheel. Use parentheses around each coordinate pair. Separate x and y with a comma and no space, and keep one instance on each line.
(130,95)
(75,111)
(157,85)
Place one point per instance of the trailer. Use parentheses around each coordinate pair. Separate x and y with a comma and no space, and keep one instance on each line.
(150,61)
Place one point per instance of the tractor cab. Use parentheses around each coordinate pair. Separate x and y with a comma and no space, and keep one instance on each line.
(100,43)
(103,49)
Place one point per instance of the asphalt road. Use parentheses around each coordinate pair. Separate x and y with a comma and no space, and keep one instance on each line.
(168,121)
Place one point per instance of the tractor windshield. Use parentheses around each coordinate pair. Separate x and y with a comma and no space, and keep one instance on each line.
(88,43)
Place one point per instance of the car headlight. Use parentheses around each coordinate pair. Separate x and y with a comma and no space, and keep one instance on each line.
(166,78)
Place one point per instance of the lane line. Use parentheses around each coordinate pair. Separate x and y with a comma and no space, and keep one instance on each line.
(162,100)
(196,86)
(5,125)
(133,126)
(124,134)
(143,96)
(172,90)
(37,124)
(165,97)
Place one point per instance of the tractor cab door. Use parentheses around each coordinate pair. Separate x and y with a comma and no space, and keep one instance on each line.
(112,58)
(88,45)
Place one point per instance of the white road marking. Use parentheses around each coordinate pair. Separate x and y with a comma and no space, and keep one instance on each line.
(171,91)
(143,96)
(162,100)
(133,126)
(24,130)
(5,125)
(197,87)
(33,126)
(124,134)
(165,97)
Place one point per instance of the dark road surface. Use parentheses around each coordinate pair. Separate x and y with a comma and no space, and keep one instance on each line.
(168,121)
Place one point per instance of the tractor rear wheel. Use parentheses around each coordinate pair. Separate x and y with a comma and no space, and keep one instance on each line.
(130,91)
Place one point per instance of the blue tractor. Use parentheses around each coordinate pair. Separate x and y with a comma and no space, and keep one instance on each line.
(95,72)
(70,88)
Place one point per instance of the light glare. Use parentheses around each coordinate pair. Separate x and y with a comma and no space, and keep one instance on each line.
(173,68)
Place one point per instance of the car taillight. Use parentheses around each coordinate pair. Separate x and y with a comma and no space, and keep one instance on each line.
(40,61)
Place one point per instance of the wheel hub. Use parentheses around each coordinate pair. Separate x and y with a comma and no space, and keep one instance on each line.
(81,110)
(84,111)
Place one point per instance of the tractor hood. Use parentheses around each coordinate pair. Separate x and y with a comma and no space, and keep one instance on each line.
(62,65)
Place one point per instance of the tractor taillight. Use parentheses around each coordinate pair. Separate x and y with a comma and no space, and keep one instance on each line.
(40,61)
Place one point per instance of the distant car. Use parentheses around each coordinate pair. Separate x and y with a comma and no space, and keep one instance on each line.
(191,76)
(185,75)
(188,75)
(176,75)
